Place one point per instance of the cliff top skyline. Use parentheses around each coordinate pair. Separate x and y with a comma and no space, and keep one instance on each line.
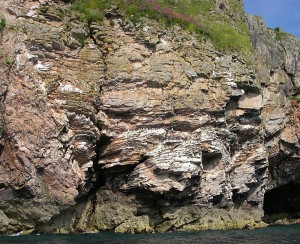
(277,13)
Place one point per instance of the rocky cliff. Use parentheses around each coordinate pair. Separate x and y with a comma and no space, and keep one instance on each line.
(114,125)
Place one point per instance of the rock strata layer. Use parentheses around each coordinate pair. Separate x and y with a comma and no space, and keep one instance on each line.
(112,126)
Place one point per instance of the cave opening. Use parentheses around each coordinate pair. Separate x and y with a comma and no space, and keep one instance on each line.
(283,199)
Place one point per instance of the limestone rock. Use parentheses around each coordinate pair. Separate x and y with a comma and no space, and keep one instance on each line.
(4,222)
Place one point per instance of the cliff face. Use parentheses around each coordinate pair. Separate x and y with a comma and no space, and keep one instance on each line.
(115,126)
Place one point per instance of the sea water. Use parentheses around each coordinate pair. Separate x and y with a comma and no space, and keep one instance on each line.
(274,234)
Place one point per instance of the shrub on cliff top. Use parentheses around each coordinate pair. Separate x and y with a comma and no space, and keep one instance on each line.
(280,35)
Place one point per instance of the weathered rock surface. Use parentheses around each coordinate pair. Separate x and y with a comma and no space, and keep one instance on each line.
(141,129)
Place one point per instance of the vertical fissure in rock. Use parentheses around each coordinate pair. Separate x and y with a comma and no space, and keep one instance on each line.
(98,177)
(91,211)
(104,54)
(91,34)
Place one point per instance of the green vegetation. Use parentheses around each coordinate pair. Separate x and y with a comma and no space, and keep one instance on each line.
(61,12)
(91,10)
(279,34)
(202,17)
(8,62)
(2,24)
(296,98)
(226,37)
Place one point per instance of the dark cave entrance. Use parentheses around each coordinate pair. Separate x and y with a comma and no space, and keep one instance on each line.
(283,199)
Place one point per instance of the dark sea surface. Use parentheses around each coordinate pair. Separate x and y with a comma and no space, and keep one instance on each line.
(274,234)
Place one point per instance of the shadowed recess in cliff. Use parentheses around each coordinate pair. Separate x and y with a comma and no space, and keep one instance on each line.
(283,199)
(96,178)
(98,174)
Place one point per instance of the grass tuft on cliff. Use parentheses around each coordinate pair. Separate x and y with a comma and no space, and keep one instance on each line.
(222,23)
